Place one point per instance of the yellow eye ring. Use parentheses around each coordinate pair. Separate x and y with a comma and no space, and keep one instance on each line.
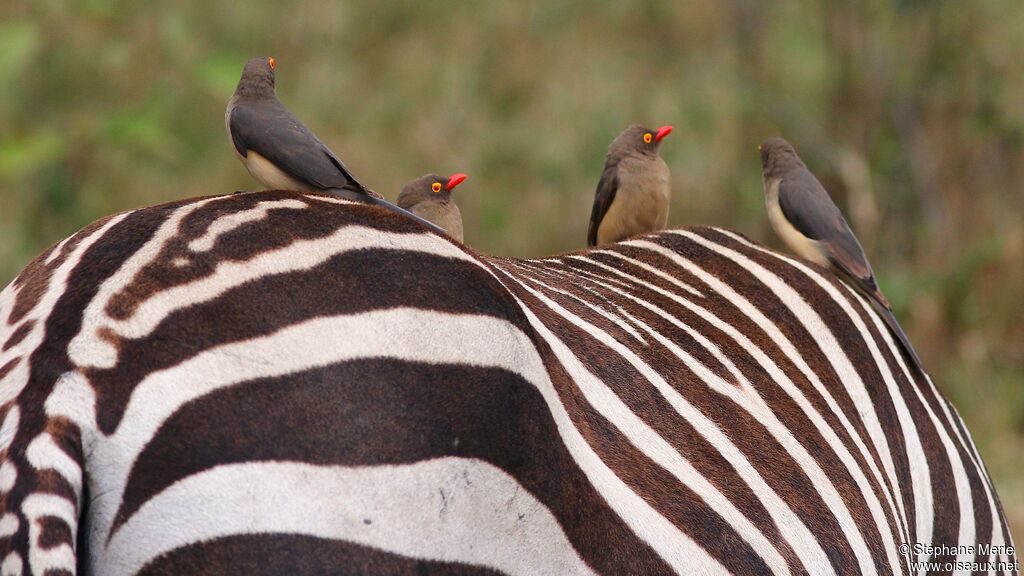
(648,138)
(436,186)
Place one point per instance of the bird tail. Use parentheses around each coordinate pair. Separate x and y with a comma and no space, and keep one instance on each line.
(882,299)
(867,288)
(890,320)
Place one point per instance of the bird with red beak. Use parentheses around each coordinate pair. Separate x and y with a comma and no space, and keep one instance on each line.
(430,198)
(633,193)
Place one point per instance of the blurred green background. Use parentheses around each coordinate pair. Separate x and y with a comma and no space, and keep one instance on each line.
(910,113)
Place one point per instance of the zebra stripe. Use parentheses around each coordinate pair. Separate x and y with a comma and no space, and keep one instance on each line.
(290,383)
(999,535)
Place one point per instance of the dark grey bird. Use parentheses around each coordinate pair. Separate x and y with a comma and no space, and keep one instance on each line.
(805,218)
(430,198)
(275,147)
(633,193)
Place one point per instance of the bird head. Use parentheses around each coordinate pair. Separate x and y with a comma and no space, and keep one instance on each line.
(258,76)
(638,138)
(429,188)
(777,156)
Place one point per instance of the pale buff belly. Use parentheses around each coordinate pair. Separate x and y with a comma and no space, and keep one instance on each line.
(267,174)
(641,203)
(797,242)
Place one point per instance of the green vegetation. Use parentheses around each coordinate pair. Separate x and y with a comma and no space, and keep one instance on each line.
(909,111)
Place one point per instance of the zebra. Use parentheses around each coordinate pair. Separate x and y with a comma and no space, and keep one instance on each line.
(290,383)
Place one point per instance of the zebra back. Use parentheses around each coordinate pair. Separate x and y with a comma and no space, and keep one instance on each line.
(290,383)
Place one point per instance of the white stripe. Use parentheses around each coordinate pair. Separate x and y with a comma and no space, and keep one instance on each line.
(7,297)
(37,505)
(57,250)
(787,347)
(43,453)
(8,476)
(766,414)
(672,545)
(817,327)
(614,318)
(650,443)
(924,509)
(448,509)
(414,335)
(17,378)
(794,531)
(94,314)
(576,278)
(88,349)
(60,557)
(331,200)
(8,525)
(224,224)
(12,565)
(9,428)
(996,537)
(779,377)
(1000,531)
(42,560)
(642,265)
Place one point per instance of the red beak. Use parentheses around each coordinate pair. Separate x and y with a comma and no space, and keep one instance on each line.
(662,132)
(455,179)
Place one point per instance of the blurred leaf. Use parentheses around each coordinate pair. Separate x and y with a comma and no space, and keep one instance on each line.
(145,130)
(19,41)
(21,156)
(219,72)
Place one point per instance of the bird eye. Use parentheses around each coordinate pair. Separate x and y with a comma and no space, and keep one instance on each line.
(436,186)
(271,62)
(648,138)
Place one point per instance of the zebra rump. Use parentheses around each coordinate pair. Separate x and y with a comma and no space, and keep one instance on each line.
(285,383)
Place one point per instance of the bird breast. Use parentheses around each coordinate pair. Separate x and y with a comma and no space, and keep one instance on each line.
(645,188)
(641,201)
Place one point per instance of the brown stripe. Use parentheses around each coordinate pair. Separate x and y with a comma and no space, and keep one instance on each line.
(53,532)
(49,361)
(295,555)
(946,517)
(19,334)
(282,227)
(771,460)
(655,484)
(8,366)
(34,279)
(849,340)
(274,302)
(381,411)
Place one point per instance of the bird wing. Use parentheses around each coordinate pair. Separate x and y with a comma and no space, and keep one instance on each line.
(810,210)
(273,132)
(607,186)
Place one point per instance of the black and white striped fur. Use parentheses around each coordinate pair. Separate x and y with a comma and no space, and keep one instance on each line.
(283,383)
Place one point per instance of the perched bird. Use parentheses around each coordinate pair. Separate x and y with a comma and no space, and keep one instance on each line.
(275,147)
(633,193)
(806,219)
(430,198)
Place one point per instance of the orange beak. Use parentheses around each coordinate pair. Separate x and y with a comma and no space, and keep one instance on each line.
(455,179)
(271,62)
(662,132)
